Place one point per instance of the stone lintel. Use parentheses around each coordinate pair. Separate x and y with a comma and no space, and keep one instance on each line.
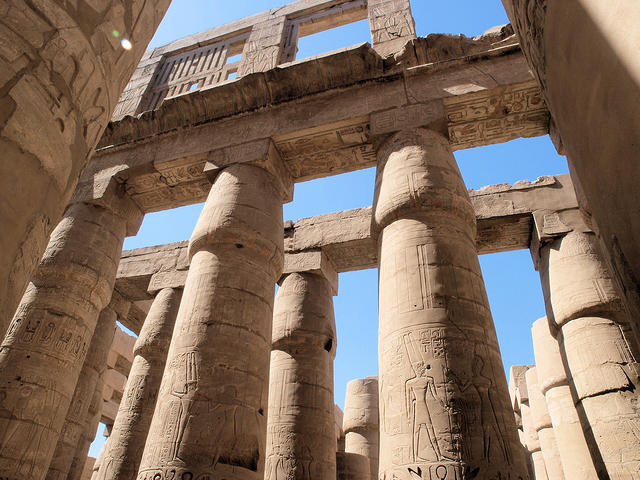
(314,261)
(430,115)
(318,113)
(261,153)
(504,216)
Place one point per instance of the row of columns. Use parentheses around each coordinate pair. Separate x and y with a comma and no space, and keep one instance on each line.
(444,404)
(583,390)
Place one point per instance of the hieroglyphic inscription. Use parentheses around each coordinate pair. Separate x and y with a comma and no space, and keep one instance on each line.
(476,119)
(338,149)
(390,20)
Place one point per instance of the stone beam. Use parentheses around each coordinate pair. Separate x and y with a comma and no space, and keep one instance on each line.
(505,218)
(325,114)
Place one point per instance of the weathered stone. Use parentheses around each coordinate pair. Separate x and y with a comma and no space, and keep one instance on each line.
(601,37)
(301,440)
(554,384)
(361,423)
(210,417)
(75,424)
(392,25)
(440,364)
(543,426)
(62,72)
(351,466)
(600,356)
(121,457)
(46,345)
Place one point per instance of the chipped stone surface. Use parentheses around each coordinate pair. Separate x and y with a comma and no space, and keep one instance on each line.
(62,71)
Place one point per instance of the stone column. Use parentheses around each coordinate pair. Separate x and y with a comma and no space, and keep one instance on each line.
(532,443)
(45,347)
(62,72)
(210,417)
(76,422)
(361,424)
(89,435)
(444,402)
(123,452)
(543,426)
(518,394)
(351,466)
(392,25)
(301,441)
(597,348)
(601,37)
(554,385)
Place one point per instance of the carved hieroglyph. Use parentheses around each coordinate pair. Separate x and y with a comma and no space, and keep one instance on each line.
(46,344)
(210,417)
(360,423)
(543,427)
(94,366)
(61,72)
(598,347)
(444,402)
(554,384)
(301,443)
(391,24)
(122,454)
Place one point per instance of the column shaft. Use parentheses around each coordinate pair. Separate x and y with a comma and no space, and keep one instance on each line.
(554,384)
(351,466)
(210,417)
(543,426)
(123,452)
(598,349)
(75,424)
(361,423)
(89,435)
(444,402)
(301,440)
(62,74)
(46,345)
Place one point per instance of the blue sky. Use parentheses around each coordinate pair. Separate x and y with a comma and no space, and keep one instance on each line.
(512,284)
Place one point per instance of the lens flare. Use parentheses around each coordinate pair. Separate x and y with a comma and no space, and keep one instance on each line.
(126,44)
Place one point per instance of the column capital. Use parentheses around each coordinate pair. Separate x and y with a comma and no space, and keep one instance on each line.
(311,261)
(260,153)
(107,192)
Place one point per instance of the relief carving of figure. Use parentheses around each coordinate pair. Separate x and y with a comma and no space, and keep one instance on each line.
(492,437)
(423,406)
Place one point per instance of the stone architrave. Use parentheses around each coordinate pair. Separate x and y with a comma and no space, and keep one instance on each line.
(543,427)
(597,347)
(361,423)
(46,344)
(210,416)
(301,441)
(554,385)
(62,70)
(601,37)
(351,466)
(444,402)
(122,454)
(75,424)
(391,24)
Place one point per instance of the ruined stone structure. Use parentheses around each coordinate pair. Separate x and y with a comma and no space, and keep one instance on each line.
(222,382)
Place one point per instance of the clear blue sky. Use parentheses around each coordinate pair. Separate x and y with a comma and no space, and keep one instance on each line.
(512,284)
